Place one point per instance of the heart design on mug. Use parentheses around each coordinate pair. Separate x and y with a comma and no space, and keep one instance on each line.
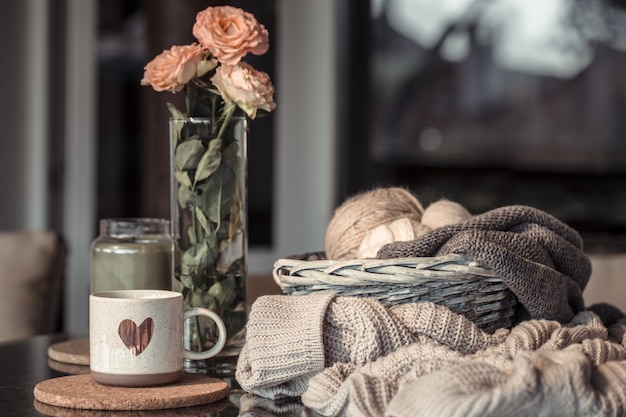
(136,338)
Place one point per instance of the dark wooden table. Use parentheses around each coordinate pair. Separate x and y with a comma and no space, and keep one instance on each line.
(25,363)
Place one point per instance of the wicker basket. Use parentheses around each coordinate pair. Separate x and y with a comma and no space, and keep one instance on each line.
(454,281)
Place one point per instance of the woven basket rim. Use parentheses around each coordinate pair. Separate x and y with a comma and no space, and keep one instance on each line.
(290,272)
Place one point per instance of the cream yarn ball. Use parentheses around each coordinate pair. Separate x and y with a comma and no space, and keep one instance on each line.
(365,211)
(443,213)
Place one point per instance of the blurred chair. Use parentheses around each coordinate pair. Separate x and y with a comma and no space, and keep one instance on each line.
(32,268)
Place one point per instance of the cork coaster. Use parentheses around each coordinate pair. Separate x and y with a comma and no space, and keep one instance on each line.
(71,351)
(82,392)
(68,368)
(195,411)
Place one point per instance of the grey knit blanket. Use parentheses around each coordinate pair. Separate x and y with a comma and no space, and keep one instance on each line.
(540,258)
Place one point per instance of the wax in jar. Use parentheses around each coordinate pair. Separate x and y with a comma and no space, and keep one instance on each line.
(132,254)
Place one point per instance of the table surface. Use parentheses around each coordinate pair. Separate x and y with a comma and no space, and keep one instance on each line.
(25,363)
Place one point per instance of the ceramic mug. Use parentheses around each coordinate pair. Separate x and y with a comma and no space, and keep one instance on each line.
(136,337)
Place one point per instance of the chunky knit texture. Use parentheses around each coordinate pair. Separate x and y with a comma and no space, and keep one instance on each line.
(283,345)
(540,258)
(354,357)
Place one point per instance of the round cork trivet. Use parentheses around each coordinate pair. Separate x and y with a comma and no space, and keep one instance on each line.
(82,392)
(71,351)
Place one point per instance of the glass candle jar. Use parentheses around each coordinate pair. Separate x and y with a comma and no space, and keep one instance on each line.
(132,253)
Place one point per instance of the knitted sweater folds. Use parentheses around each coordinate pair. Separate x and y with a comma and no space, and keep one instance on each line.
(540,258)
(354,357)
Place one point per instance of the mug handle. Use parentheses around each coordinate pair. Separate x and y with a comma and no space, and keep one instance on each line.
(221,338)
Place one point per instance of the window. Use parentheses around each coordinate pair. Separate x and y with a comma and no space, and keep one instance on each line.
(491,103)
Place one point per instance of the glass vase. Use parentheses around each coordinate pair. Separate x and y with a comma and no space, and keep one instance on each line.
(209,227)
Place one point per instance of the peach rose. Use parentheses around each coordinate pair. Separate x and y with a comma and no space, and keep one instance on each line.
(174,68)
(246,87)
(230,33)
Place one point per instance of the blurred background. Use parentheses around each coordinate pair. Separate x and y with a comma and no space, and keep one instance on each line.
(485,102)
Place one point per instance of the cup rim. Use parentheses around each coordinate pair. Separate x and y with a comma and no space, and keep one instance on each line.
(135,295)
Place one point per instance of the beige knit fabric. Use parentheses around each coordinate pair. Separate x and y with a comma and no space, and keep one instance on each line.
(353,357)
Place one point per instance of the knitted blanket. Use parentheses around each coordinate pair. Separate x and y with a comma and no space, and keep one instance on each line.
(540,258)
(354,357)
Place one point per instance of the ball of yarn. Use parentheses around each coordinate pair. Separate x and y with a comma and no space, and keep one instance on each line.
(396,231)
(443,213)
(363,212)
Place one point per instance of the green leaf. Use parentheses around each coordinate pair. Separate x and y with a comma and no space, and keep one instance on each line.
(176,127)
(188,154)
(224,291)
(201,281)
(186,196)
(176,114)
(216,198)
(210,161)
(205,66)
(210,240)
(191,234)
(196,259)
(224,190)
(204,222)
(235,225)
(205,103)
(237,268)
(201,298)
(186,281)
(233,320)
(183,178)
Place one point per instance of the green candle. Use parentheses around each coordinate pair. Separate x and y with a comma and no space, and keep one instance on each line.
(132,253)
